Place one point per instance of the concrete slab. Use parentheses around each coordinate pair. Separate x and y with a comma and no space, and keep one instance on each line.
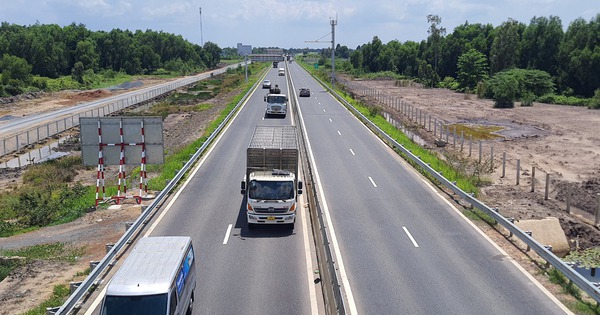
(547,232)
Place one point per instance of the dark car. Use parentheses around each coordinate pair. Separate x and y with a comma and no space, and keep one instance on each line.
(304,92)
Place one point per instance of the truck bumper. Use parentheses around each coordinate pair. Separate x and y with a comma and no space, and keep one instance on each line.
(261,218)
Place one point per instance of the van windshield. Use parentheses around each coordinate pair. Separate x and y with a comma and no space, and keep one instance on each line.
(135,305)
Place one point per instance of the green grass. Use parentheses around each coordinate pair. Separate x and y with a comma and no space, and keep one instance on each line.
(59,296)
(50,251)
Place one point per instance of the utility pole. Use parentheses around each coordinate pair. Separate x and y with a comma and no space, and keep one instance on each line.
(201,39)
(333,23)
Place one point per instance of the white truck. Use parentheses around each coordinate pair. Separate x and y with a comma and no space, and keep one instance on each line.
(276,105)
(271,185)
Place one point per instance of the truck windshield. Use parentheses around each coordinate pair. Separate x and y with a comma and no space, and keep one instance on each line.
(276,99)
(271,190)
(135,305)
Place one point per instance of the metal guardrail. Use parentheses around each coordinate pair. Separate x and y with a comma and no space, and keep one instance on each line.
(141,220)
(541,250)
(332,294)
(15,142)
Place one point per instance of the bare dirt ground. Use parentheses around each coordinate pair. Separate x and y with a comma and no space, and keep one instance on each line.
(563,141)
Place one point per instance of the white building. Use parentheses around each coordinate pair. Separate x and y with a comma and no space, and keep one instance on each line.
(244,49)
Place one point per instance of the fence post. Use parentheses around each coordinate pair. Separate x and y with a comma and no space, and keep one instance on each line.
(597,208)
(503,164)
(518,170)
(533,179)
(547,186)
(569,198)
(470,144)
(480,151)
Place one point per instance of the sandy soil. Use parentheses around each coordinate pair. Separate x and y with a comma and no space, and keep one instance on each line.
(560,140)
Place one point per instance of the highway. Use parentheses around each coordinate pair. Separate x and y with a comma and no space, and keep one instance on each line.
(401,247)
(267,270)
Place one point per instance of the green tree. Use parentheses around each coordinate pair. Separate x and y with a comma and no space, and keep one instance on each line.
(212,54)
(540,44)
(78,72)
(16,74)
(472,69)
(505,48)
(436,34)
(503,88)
(86,53)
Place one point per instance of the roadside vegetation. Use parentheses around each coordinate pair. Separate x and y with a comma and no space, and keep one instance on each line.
(49,195)
(511,62)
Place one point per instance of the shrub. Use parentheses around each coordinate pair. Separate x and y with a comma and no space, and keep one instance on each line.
(527,99)
(504,91)
(595,101)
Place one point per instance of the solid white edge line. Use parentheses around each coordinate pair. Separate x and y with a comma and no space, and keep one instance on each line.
(98,299)
(498,248)
(312,292)
(336,248)
(227,234)
(372,182)
(410,236)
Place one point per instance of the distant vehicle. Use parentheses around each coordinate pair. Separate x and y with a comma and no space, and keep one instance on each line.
(304,92)
(158,277)
(266,84)
(275,90)
(281,71)
(275,63)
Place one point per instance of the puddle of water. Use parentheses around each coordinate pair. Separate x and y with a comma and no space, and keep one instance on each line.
(38,155)
(7,117)
(414,137)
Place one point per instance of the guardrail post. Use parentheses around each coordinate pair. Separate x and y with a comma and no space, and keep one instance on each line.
(93,264)
(530,235)
(109,246)
(128,225)
(73,285)
(51,310)
(518,170)
(511,220)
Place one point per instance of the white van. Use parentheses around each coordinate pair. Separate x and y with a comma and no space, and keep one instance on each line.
(158,277)
(281,71)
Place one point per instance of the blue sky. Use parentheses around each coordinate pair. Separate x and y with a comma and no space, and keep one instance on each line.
(288,23)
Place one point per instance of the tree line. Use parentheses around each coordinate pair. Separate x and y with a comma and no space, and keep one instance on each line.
(30,52)
(557,62)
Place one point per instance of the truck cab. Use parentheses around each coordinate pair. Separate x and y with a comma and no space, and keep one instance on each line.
(276,105)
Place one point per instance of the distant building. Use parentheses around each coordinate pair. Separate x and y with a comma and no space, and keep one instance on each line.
(274,51)
(244,49)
